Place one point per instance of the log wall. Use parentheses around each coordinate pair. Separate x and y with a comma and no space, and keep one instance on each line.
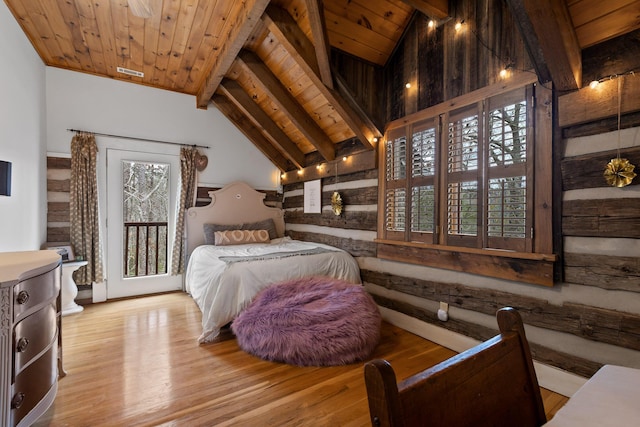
(58,211)
(588,318)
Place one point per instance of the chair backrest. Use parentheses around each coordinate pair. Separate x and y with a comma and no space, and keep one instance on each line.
(491,384)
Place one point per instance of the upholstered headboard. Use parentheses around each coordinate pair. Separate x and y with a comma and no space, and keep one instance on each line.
(236,203)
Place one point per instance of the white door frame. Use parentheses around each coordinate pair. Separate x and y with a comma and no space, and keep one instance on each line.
(110,184)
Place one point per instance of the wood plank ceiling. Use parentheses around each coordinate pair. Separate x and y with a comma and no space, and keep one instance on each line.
(265,64)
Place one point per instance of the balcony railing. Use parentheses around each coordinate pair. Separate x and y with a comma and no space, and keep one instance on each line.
(145,251)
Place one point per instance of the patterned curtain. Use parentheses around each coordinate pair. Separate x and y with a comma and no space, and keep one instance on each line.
(85,232)
(188,186)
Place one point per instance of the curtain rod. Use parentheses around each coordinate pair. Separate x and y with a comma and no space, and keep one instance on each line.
(139,139)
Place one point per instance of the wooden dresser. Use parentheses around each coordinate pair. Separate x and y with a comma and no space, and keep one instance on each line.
(30,344)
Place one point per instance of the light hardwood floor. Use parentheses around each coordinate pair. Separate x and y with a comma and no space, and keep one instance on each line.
(136,362)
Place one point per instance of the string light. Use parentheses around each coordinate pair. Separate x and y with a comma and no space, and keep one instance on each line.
(431,23)
(300,171)
(458,25)
(594,83)
(408,85)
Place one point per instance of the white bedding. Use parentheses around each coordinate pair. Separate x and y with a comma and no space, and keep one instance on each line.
(222,289)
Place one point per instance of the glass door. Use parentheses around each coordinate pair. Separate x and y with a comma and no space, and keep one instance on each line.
(141,205)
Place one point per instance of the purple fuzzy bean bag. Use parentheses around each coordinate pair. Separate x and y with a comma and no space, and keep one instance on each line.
(315,321)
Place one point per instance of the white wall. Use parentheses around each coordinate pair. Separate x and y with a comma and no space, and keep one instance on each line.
(82,101)
(22,139)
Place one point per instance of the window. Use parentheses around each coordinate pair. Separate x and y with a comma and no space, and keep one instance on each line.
(463,178)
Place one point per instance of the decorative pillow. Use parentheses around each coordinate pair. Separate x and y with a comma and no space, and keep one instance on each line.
(210,229)
(239,237)
(265,224)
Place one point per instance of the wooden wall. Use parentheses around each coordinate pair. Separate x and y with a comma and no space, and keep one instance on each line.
(58,187)
(592,316)
(58,213)
(442,63)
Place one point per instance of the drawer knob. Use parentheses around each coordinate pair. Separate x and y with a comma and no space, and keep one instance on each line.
(23,297)
(17,400)
(22,344)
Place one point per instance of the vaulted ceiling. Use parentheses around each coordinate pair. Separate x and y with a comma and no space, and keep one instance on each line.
(266,64)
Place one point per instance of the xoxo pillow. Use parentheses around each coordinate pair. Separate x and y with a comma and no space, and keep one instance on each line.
(239,237)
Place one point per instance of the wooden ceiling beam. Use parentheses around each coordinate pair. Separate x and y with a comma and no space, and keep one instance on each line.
(438,9)
(234,92)
(238,34)
(236,116)
(281,96)
(283,26)
(315,14)
(551,41)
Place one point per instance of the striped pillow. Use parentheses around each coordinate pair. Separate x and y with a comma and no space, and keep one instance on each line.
(240,237)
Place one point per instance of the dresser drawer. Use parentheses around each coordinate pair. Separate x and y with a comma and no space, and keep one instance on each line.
(33,334)
(34,291)
(33,383)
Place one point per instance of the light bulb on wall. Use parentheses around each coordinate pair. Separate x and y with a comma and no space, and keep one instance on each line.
(594,84)
(408,85)
(431,23)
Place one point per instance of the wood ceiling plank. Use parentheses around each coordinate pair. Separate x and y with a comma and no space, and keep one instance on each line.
(181,57)
(257,93)
(438,9)
(70,18)
(389,18)
(236,117)
(358,40)
(242,27)
(606,27)
(32,12)
(120,32)
(217,20)
(281,96)
(150,47)
(64,36)
(194,45)
(170,12)
(290,36)
(585,11)
(90,34)
(234,92)
(551,40)
(136,44)
(315,12)
(105,30)
(300,48)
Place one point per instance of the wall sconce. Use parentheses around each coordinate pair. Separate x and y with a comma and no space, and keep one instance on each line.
(5,178)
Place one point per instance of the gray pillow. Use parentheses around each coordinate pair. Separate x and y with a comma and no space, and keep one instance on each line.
(210,231)
(266,224)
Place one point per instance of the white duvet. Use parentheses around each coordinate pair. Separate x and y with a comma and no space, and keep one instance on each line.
(223,289)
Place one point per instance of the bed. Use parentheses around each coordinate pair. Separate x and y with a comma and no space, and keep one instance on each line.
(224,278)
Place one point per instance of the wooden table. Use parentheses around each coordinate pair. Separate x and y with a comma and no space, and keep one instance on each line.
(609,398)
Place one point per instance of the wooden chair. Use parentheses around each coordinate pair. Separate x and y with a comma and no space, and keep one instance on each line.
(491,384)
